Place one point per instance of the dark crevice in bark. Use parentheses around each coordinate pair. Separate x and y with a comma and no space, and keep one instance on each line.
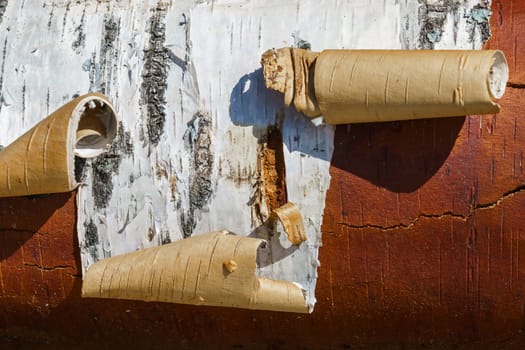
(154,77)
(198,142)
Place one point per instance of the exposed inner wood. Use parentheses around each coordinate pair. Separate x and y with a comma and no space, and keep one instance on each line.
(273,170)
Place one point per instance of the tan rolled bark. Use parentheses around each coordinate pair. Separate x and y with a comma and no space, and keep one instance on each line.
(292,221)
(216,269)
(42,160)
(358,86)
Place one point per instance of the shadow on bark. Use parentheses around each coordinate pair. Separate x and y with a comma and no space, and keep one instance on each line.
(399,156)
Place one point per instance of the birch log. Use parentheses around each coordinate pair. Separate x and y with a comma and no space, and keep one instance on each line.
(202,145)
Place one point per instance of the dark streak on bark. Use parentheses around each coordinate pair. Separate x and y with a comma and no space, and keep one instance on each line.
(106,165)
(47,101)
(2,70)
(80,41)
(432,19)
(198,141)
(24,98)
(80,169)
(91,238)
(154,77)
(108,54)
(51,14)
(93,70)
(64,20)
(3,7)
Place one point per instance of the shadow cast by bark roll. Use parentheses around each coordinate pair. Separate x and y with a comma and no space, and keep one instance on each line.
(399,156)
(254,105)
(22,217)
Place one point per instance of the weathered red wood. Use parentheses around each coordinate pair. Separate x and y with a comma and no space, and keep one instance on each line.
(423,245)
(507,23)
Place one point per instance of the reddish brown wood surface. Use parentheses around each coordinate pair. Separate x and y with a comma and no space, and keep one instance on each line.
(424,246)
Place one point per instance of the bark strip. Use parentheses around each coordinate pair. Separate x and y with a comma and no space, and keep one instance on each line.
(43,159)
(359,86)
(217,269)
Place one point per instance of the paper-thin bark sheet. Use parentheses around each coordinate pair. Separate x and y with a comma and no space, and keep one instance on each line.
(216,269)
(359,86)
(195,110)
(42,160)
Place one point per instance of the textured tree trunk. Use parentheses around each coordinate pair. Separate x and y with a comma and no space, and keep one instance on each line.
(421,231)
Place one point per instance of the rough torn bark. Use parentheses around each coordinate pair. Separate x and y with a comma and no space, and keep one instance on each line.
(154,80)
(198,141)
(432,16)
(107,165)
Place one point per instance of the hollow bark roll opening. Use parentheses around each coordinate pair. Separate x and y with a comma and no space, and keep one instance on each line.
(43,159)
(97,127)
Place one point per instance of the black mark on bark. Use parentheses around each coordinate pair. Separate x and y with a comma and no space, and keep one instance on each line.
(2,70)
(64,19)
(299,42)
(80,169)
(91,233)
(107,165)
(80,41)
(432,19)
(51,14)
(198,141)
(102,74)
(154,77)
(109,54)
(91,238)
(3,7)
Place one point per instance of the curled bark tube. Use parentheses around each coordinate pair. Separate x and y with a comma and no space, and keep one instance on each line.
(292,221)
(358,86)
(217,269)
(43,159)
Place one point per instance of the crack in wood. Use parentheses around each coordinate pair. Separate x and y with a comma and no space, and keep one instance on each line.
(516,85)
(448,214)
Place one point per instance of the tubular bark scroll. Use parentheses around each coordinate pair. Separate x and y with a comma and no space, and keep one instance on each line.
(42,160)
(217,269)
(358,86)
